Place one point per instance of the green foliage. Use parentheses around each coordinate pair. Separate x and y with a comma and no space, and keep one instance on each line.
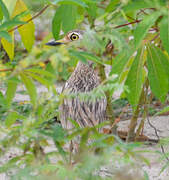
(158,77)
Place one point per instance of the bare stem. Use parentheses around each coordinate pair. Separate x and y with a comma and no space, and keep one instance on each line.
(109,111)
(133,122)
(122,25)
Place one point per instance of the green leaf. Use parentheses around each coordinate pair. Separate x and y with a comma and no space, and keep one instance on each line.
(10,92)
(41,72)
(69,18)
(143,27)
(91,57)
(4,10)
(27,31)
(134,79)
(164,58)
(92,10)
(1,14)
(159,80)
(30,86)
(164,32)
(164,110)
(9,24)
(10,4)
(2,99)
(112,5)
(11,118)
(56,22)
(6,35)
(75,2)
(120,63)
(140,4)
(40,79)
(9,47)
(65,17)
(78,55)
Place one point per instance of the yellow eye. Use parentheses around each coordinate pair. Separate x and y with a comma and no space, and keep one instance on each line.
(74,37)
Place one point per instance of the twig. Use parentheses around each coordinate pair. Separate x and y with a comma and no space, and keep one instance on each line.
(158,137)
(117,120)
(122,25)
(30,66)
(35,16)
(5,70)
(155,37)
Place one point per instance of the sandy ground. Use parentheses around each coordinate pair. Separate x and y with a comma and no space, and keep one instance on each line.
(161,123)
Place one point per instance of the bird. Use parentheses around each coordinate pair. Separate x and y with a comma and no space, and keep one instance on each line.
(83,80)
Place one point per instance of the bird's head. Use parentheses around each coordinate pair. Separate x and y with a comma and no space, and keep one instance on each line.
(71,36)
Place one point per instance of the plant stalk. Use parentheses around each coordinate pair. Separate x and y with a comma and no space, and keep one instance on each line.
(109,110)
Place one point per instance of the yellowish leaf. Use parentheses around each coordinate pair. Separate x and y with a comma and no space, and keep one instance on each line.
(27,30)
(10,4)
(9,47)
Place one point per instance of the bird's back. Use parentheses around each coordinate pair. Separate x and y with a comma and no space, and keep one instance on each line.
(85,113)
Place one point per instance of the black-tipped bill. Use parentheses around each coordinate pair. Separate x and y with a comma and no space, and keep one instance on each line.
(53,43)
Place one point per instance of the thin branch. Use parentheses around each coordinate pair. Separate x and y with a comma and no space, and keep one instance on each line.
(35,16)
(122,25)
(30,66)
(155,37)
(5,70)
(156,133)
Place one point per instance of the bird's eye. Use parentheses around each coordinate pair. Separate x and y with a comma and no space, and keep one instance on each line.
(74,37)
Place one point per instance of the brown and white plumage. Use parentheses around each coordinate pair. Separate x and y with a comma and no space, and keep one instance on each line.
(83,79)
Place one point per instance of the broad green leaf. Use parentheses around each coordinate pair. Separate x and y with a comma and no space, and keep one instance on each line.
(164,58)
(112,5)
(26,31)
(157,75)
(11,118)
(120,64)
(56,22)
(143,27)
(134,79)
(4,10)
(10,4)
(65,18)
(9,47)
(140,4)
(92,10)
(75,2)
(30,86)
(69,17)
(5,35)
(164,32)
(40,79)
(10,92)
(41,72)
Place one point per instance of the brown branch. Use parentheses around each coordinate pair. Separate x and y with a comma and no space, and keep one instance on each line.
(156,133)
(35,16)
(30,66)
(122,25)
(155,37)
(5,70)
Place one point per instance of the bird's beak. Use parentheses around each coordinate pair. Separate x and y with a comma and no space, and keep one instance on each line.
(55,43)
